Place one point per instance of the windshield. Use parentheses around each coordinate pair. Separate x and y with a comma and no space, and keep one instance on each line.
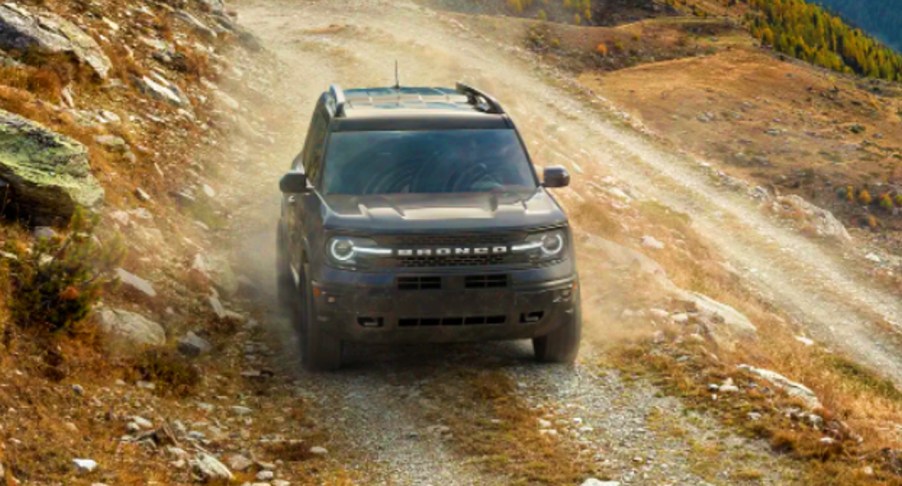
(423,162)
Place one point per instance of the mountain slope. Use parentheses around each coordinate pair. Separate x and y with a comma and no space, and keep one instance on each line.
(881,18)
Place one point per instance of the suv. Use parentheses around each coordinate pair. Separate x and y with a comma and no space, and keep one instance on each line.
(416,215)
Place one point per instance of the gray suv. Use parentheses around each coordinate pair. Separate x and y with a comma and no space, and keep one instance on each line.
(416,215)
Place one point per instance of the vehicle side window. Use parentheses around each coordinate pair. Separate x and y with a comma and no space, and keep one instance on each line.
(313,149)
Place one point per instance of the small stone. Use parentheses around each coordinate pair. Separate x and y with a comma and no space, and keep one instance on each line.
(85,465)
(680,318)
(142,422)
(265,475)
(804,340)
(728,386)
(318,451)
(544,424)
(240,410)
(193,345)
(44,233)
(209,468)
(141,194)
(136,282)
(652,242)
(598,482)
(239,463)
(827,440)
(280,482)
(78,389)
(146,385)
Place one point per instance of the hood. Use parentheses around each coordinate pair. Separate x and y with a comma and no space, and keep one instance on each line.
(399,213)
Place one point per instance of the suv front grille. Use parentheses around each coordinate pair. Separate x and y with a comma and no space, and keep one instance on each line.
(485,281)
(451,321)
(451,241)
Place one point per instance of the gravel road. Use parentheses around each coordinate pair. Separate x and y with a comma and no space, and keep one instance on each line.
(382,424)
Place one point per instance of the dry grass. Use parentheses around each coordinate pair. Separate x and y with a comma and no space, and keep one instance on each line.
(500,433)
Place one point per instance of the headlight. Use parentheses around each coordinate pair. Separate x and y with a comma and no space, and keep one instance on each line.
(347,251)
(543,246)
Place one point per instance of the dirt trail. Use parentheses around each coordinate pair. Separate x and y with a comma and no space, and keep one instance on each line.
(381,421)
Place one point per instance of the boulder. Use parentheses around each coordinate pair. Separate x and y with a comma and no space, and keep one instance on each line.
(48,174)
(135,282)
(48,34)
(210,469)
(130,329)
(792,388)
(822,221)
(193,345)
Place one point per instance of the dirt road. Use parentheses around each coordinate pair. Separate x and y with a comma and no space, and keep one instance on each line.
(387,425)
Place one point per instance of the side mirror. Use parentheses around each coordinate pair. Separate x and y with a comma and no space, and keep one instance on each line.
(293,182)
(556,176)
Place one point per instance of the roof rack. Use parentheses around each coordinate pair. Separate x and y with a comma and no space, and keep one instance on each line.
(338,95)
(481,99)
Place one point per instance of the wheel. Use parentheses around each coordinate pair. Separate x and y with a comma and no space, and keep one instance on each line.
(562,344)
(319,350)
(285,288)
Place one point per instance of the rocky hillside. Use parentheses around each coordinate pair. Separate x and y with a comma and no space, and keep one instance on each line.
(113,296)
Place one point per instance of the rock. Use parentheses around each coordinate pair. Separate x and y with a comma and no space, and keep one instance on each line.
(240,410)
(48,174)
(193,345)
(78,389)
(112,142)
(196,24)
(239,463)
(597,482)
(142,195)
(652,242)
(161,89)
(279,482)
(218,271)
(720,313)
(318,451)
(49,34)
(728,386)
(210,469)
(218,308)
(45,233)
(142,422)
(822,221)
(792,388)
(265,475)
(213,6)
(804,340)
(85,465)
(136,282)
(129,329)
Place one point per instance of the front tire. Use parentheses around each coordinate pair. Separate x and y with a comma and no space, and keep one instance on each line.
(562,344)
(320,351)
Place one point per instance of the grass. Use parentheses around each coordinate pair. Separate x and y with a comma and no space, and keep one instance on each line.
(500,434)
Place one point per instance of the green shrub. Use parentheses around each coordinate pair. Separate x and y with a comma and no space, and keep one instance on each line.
(54,285)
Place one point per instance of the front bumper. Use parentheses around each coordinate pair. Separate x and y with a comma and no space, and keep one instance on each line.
(406,307)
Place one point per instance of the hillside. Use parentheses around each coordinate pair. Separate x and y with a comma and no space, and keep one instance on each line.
(880,18)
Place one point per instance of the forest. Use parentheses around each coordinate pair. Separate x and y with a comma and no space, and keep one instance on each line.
(882,18)
(810,33)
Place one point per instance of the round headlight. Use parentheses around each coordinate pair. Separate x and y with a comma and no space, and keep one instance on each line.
(552,243)
(342,249)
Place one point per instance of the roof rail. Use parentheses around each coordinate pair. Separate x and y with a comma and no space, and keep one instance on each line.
(338,95)
(481,99)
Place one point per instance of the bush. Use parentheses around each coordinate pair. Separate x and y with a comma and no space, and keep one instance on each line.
(864,197)
(167,366)
(899,200)
(55,284)
(602,49)
(885,201)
